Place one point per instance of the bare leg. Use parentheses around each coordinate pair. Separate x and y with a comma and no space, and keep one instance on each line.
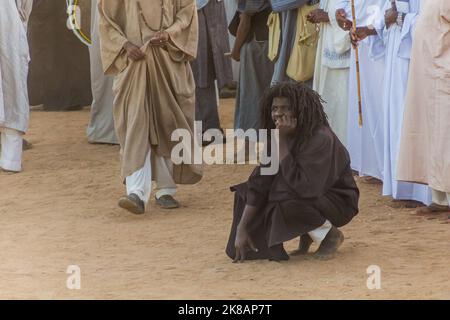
(304,245)
(330,245)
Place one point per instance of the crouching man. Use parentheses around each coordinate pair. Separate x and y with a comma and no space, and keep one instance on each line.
(311,196)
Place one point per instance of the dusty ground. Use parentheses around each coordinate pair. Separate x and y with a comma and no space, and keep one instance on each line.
(62,211)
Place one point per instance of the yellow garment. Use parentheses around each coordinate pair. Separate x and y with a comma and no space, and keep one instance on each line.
(274,35)
(303,58)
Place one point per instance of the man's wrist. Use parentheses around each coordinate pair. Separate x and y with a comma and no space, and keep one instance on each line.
(371,31)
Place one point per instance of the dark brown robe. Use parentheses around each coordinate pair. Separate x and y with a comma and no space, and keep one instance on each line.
(314,184)
(59,76)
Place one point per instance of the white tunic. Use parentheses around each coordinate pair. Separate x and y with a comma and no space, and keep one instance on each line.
(14,59)
(331,73)
(398,44)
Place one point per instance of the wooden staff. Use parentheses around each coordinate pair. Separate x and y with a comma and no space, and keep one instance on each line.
(358,75)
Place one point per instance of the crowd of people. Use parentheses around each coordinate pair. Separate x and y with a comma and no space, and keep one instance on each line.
(372,78)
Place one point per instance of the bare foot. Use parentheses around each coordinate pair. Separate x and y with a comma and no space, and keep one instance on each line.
(447,221)
(432,210)
(26,145)
(330,244)
(408,204)
(304,245)
(371,180)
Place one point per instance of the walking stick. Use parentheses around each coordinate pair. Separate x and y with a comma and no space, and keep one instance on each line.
(358,75)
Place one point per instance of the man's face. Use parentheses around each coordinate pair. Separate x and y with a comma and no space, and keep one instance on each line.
(280,108)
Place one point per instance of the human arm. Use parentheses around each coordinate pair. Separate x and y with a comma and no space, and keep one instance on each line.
(241,35)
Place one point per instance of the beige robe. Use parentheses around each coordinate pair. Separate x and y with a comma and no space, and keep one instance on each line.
(156,95)
(425,144)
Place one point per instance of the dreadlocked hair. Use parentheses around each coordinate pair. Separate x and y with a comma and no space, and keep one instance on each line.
(306,106)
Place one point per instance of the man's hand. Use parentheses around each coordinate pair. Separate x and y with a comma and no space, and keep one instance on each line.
(390,17)
(235,55)
(133,51)
(318,16)
(286,127)
(343,22)
(243,244)
(160,38)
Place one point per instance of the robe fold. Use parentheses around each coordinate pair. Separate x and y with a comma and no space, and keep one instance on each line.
(314,184)
(14,59)
(156,95)
(424,155)
(59,70)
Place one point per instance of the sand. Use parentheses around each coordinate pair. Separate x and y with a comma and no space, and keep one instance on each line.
(62,210)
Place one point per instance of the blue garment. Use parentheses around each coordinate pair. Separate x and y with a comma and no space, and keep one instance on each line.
(201,4)
(284,5)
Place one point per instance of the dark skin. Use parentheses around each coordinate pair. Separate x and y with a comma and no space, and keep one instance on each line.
(360,34)
(241,35)
(135,53)
(318,16)
(286,124)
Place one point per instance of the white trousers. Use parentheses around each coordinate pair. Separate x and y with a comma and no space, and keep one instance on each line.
(140,182)
(11,154)
(440,198)
(319,234)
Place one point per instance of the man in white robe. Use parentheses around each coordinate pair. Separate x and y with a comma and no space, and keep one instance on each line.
(365,144)
(101,126)
(332,69)
(14,59)
(231,8)
(398,37)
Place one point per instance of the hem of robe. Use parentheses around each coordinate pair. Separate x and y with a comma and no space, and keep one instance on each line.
(425,182)
(272,226)
(21,129)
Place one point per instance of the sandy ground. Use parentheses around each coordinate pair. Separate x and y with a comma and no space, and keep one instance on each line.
(62,210)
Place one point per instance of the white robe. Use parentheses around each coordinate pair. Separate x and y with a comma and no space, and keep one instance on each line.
(332,69)
(14,60)
(231,7)
(365,144)
(398,44)
(101,126)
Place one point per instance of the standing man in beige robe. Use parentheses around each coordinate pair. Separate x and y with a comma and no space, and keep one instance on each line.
(424,149)
(147,46)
